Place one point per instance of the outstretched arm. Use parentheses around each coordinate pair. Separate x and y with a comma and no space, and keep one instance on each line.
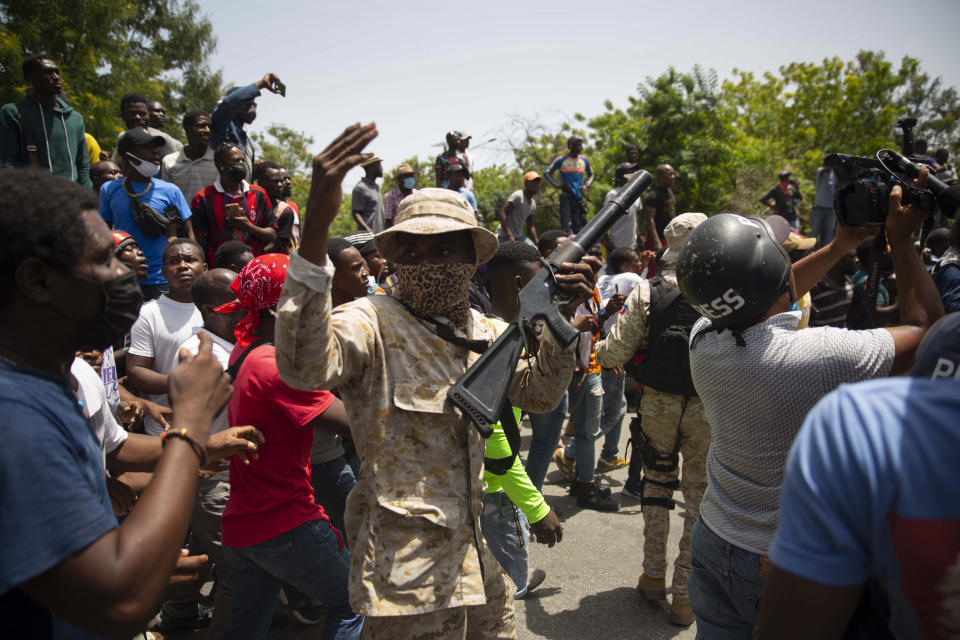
(112,586)
(314,351)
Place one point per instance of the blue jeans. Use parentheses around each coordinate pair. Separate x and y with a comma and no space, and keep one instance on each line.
(311,559)
(572,214)
(614,409)
(586,402)
(725,586)
(507,533)
(332,482)
(547,428)
(823,224)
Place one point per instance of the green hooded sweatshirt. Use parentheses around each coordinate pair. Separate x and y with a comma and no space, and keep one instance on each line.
(58,134)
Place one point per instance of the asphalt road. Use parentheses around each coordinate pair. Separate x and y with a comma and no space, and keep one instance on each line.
(589,590)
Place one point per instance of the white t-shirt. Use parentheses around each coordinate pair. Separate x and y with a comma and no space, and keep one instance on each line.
(92,393)
(620,283)
(623,233)
(221,351)
(522,209)
(755,398)
(164,324)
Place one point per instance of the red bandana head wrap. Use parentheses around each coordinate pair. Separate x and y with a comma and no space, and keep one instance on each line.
(257,287)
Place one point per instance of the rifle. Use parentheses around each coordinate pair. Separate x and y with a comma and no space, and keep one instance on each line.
(481,393)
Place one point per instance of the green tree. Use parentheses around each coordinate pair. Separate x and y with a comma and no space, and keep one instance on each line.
(106,48)
(679,119)
(287,147)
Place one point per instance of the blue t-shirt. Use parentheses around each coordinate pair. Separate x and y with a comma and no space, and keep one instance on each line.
(115,209)
(872,491)
(52,489)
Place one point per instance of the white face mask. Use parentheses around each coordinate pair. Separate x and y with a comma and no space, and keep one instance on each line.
(143,167)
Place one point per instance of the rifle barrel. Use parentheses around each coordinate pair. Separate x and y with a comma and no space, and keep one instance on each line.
(618,206)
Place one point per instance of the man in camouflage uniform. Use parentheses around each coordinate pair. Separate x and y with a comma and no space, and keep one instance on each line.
(662,414)
(419,566)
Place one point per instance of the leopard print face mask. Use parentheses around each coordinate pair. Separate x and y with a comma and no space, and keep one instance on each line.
(433,290)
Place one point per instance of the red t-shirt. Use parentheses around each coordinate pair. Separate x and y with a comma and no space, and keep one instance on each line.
(273,494)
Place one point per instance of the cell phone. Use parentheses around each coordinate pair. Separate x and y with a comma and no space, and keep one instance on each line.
(232,209)
(280,88)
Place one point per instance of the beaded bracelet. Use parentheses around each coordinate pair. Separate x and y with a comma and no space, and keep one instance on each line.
(182,434)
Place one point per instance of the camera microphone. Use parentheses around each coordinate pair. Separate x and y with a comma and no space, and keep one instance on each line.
(947,196)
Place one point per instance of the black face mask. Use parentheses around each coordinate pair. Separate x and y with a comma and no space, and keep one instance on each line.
(122,299)
(237,172)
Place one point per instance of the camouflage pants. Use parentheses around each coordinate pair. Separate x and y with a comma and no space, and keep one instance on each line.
(661,416)
(491,621)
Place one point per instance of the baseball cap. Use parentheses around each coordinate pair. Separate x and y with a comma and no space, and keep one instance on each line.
(783,174)
(362,241)
(938,357)
(431,211)
(136,137)
(676,233)
(531,175)
(780,227)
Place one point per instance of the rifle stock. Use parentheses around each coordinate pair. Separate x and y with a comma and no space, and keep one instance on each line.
(482,391)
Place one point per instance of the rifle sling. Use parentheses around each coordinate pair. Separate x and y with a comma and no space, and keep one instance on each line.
(508,421)
(234,369)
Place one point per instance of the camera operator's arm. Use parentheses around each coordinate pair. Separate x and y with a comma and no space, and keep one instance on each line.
(920,304)
(810,270)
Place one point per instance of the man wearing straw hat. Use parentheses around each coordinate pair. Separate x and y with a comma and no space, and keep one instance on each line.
(366,203)
(419,565)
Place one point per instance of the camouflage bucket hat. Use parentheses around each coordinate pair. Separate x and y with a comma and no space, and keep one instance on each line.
(431,211)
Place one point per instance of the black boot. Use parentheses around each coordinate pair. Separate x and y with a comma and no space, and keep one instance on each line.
(590,497)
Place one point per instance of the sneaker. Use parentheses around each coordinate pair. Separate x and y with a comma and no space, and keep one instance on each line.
(165,623)
(536,579)
(565,464)
(609,464)
(591,497)
(631,492)
(309,613)
(652,588)
(681,614)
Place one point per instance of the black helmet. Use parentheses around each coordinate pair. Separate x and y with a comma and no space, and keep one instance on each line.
(732,268)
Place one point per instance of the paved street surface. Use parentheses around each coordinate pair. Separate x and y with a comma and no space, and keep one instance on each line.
(589,591)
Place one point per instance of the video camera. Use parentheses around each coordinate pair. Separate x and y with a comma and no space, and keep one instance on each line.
(863,194)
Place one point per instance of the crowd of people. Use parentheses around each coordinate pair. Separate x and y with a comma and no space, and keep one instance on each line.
(185,363)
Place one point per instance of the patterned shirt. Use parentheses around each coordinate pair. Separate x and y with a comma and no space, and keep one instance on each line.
(575,173)
(391,202)
(832,302)
(412,518)
(756,397)
(209,216)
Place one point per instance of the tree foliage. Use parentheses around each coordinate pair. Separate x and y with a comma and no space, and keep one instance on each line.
(106,48)
(287,147)
(728,141)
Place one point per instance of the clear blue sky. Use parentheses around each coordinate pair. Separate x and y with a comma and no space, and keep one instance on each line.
(422,68)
